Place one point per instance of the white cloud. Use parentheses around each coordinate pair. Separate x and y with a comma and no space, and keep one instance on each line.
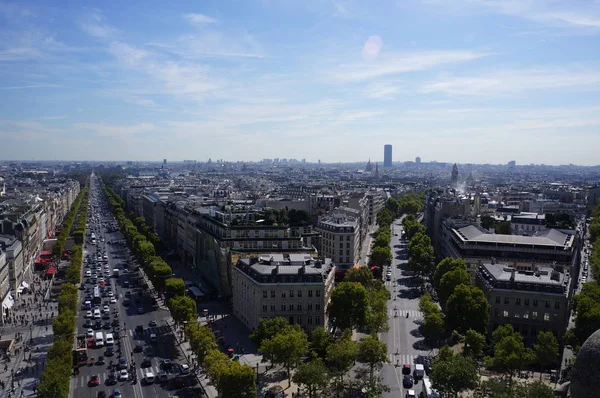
(393,64)
(381,90)
(30,86)
(513,81)
(214,44)
(199,19)
(93,24)
(104,130)
(341,10)
(127,54)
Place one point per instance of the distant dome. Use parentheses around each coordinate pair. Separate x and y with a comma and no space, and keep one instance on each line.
(585,378)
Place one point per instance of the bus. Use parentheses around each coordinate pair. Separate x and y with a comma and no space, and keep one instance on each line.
(97,296)
(428,391)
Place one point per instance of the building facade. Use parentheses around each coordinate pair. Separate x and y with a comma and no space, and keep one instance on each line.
(340,238)
(295,286)
(531,301)
(387,156)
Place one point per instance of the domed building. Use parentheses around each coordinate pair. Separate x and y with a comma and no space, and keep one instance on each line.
(585,376)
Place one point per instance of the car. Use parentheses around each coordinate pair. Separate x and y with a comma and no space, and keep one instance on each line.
(153,338)
(98,324)
(94,381)
(81,287)
(146,363)
(152,323)
(100,361)
(140,310)
(113,300)
(115,322)
(184,369)
(126,303)
(163,376)
(139,347)
(88,314)
(88,273)
(109,352)
(411,394)
(101,394)
(166,364)
(407,381)
(88,323)
(406,369)
(110,293)
(107,325)
(122,363)
(149,377)
(90,332)
(116,393)
(123,375)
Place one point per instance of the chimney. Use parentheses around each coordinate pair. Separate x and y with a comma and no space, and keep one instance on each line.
(512,274)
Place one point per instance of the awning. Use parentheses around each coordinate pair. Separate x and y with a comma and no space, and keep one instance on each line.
(51,271)
(25,285)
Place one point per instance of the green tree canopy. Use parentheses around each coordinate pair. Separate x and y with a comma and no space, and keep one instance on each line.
(202,340)
(237,380)
(444,266)
(175,287)
(313,375)
(286,348)
(372,352)
(545,350)
(450,280)
(348,305)
(454,373)
(474,344)
(421,254)
(467,308)
(380,256)
(320,339)
(341,355)
(510,354)
(267,328)
(183,309)
(433,327)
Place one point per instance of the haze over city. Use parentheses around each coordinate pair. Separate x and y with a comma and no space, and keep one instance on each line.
(469,81)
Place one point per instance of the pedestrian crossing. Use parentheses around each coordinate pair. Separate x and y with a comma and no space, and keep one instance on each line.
(102,372)
(413,314)
(399,360)
(158,331)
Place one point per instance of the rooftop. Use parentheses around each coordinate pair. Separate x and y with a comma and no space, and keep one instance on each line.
(550,238)
(286,268)
(502,276)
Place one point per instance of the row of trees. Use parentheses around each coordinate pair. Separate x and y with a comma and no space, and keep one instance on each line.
(65,232)
(321,362)
(79,234)
(586,304)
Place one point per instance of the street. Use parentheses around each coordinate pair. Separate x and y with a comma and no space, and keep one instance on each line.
(405,345)
(133,312)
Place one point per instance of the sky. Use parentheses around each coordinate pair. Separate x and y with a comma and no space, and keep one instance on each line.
(468,81)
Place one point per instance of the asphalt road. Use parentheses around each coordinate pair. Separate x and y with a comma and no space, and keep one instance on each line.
(405,345)
(164,348)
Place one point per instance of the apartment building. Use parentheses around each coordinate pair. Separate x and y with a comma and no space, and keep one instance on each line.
(527,224)
(294,286)
(531,301)
(340,238)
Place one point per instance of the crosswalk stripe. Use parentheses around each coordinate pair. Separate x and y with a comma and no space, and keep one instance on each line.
(399,360)
(402,313)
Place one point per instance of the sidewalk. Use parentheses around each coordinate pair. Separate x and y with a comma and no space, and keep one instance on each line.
(38,315)
(365,250)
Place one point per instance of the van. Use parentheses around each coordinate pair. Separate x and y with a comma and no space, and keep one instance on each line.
(97,314)
(110,340)
(99,340)
(419,372)
(149,377)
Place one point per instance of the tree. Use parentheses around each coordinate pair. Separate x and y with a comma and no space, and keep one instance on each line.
(63,326)
(487,222)
(454,373)
(159,275)
(421,254)
(433,327)
(286,348)
(427,306)
(545,350)
(237,380)
(372,352)
(380,256)
(183,309)
(392,205)
(503,228)
(267,328)
(450,280)
(385,217)
(215,363)
(54,381)
(510,354)
(348,306)
(474,343)
(313,375)
(320,339)
(382,240)
(362,275)
(341,355)
(444,266)
(175,287)
(413,227)
(202,340)
(467,308)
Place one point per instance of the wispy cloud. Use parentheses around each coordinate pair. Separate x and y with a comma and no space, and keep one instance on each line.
(394,64)
(105,130)
(514,81)
(381,90)
(341,9)
(94,25)
(57,117)
(30,86)
(199,19)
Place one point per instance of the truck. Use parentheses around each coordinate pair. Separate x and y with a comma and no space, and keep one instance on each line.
(80,357)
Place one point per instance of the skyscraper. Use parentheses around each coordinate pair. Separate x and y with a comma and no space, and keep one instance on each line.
(418,160)
(387,155)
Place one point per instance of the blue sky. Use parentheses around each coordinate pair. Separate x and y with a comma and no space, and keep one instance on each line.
(480,81)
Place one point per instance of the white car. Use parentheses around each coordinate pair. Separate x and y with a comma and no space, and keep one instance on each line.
(185,369)
(90,333)
(105,309)
(88,314)
(110,294)
(88,273)
(123,375)
(113,300)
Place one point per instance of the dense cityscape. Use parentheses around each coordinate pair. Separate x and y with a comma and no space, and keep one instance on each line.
(280,277)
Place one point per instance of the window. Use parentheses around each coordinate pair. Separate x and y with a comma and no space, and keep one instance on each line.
(506,300)
(546,316)
(497,312)
(517,315)
(526,315)
(518,301)
(348,238)
(497,299)
(348,245)
(272,307)
(272,293)
(318,293)
(557,305)
(535,302)
(291,293)
(264,308)
(317,320)
(282,307)
(318,307)
(310,293)
(527,302)
(299,307)
(264,294)
(291,306)
(341,245)
(299,293)
(547,304)
(283,294)
(299,320)
(310,306)
(310,320)
(505,313)
(534,315)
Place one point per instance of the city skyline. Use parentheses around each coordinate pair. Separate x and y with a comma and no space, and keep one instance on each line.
(470,81)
